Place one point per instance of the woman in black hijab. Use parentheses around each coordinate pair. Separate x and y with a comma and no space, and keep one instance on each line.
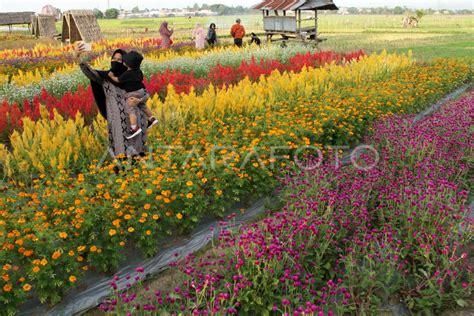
(110,100)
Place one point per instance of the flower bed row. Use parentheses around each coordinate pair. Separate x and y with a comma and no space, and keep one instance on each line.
(198,62)
(346,241)
(82,101)
(64,223)
(49,58)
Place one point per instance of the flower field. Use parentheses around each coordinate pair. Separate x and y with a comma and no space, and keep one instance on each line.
(222,112)
(345,245)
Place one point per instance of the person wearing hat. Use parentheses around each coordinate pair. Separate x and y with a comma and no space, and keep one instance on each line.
(132,82)
(238,32)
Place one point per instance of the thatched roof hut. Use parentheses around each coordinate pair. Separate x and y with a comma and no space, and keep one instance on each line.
(12,18)
(80,25)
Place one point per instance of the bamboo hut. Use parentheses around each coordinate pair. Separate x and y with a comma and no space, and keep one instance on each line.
(44,25)
(288,21)
(80,25)
(15,18)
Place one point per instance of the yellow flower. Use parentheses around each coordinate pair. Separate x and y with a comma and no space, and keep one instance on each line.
(189,195)
(189,183)
(131,229)
(72,279)
(148,232)
(148,191)
(63,235)
(219,192)
(156,216)
(179,216)
(26,287)
(112,232)
(70,253)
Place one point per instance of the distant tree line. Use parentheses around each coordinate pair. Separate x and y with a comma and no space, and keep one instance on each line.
(222,9)
(398,10)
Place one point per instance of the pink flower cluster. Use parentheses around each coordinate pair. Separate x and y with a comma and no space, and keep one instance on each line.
(346,240)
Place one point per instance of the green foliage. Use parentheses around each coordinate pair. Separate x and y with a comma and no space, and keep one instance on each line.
(111,13)
(98,14)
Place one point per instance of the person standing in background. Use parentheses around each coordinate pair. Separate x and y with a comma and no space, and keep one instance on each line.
(212,35)
(199,36)
(165,33)
(238,32)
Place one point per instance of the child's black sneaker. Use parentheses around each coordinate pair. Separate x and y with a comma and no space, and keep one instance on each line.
(152,121)
(134,132)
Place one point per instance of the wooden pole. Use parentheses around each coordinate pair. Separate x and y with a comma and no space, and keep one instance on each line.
(299,20)
(316,25)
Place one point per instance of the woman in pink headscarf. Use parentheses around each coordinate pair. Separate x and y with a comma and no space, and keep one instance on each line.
(199,36)
(165,33)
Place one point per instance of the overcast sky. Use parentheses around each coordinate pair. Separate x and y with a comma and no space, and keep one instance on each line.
(36,5)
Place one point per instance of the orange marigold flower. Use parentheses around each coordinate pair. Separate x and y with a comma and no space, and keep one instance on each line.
(63,235)
(219,192)
(148,232)
(6,277)
(26,287)
(93,248)
(156,217)
(56,254)
(189,183)
(44,262)
(147,206)
(179,216)
(112,232)
(7,287)
(72,279)
(36,269)
(7,267)
(189,195)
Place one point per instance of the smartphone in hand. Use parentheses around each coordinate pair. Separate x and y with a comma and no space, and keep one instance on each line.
(83,46)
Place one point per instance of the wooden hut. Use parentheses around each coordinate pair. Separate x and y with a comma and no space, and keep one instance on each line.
(80,25)
(14,18)
(44,25)
(287,19)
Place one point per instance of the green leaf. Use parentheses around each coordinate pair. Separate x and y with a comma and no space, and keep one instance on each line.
(462,303)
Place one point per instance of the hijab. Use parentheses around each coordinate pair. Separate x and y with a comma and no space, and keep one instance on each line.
(117,67)
(98,90)
(164,28)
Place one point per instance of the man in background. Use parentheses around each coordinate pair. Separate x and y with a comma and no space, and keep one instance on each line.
(238,32)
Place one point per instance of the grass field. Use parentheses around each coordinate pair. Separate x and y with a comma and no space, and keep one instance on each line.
(436,36)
